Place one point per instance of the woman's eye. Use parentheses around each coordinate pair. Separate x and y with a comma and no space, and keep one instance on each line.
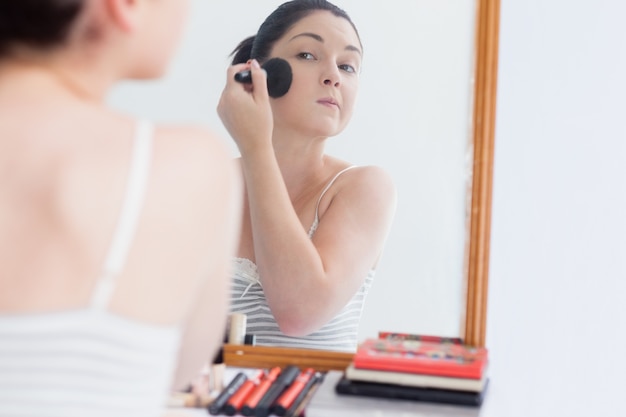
(347,68)
(306,55)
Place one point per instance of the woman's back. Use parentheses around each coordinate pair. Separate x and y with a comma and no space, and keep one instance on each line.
(65,167)
(63,174)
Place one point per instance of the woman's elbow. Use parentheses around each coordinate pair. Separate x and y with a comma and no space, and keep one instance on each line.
(294,326)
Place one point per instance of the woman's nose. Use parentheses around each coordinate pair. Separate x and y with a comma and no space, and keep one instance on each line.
(332,77)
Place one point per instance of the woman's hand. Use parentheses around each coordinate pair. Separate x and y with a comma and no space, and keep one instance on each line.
(245,109)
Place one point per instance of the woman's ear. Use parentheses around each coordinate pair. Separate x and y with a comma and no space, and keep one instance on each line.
(124,13)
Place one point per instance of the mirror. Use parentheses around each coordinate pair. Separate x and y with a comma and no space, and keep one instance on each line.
(424,113)
(413,118)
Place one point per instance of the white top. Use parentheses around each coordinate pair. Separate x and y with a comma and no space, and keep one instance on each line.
(91,362)
(247,297)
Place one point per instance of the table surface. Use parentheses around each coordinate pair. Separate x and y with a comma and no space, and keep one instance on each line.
(326,403)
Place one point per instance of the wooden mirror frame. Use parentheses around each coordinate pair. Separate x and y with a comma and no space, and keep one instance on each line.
(479,219)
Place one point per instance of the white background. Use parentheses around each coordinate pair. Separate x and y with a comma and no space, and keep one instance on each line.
(557,305)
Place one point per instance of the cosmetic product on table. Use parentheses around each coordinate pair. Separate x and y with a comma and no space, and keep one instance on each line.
(235,402)
(257,394)
(283,381)
(294,395)
(237,329)
(305,397)
(216,406)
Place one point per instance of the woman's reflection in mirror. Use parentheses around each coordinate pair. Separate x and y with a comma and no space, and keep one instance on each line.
(314,226)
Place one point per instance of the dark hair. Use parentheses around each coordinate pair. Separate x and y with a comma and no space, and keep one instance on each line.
(277,24)
(36,23)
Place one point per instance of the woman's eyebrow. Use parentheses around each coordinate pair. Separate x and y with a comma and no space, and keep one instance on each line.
(320,39)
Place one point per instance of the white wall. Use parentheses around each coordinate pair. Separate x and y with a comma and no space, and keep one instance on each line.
(557,312)
(412,118)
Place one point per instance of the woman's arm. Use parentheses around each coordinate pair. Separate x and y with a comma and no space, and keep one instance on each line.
(213,215)
(306,281)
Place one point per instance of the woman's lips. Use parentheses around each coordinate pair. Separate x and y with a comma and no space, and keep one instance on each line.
(328,101)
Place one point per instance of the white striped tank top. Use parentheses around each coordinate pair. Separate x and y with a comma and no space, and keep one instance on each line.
(91,362)
(247,297)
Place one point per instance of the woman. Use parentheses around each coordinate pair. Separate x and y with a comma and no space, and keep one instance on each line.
(115,235)
(313,226)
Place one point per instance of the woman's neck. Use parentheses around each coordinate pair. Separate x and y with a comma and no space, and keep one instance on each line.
(73,77)
(301,161)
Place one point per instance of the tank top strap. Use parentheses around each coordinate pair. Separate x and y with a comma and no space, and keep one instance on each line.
(316,220)
(129,215)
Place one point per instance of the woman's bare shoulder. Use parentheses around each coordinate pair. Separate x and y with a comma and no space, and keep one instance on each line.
(193,152)
(368,188)
(193,142)
(372,179)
